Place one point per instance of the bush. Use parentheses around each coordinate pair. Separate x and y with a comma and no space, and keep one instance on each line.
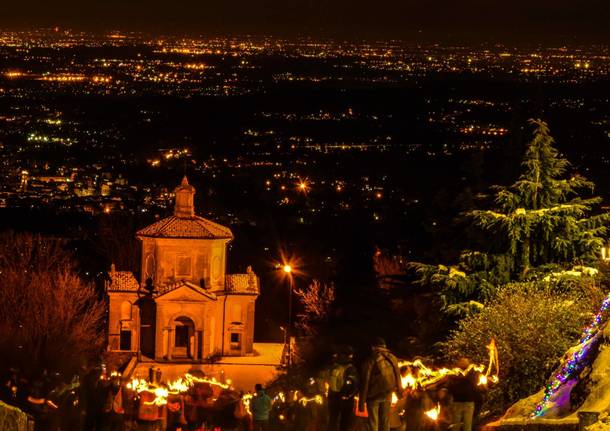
(533,325)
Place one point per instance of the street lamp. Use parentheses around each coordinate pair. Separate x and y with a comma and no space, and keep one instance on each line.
(303,186)
(288,271)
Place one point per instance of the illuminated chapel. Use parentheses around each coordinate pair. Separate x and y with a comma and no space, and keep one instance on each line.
(185,309)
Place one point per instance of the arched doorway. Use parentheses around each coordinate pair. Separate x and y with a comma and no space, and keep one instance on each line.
(184,338)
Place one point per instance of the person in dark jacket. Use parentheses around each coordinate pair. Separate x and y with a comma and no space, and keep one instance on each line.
(92,399)
(414,401)
(226,405)
(465,393)
(380,377)
(260,406)
(343,386)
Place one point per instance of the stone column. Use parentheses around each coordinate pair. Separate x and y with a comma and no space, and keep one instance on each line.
(165,343)
(136,329)
(170,344)
(199,344)
(192,345)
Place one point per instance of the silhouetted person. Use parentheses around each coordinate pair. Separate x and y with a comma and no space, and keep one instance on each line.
(342,387)
(114,412)
(380,377)
(260,406)
(91,398)
(465,393)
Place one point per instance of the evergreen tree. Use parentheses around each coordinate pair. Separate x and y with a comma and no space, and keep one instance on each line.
(538,226)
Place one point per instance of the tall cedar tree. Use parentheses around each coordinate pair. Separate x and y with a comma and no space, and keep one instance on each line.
(540,224)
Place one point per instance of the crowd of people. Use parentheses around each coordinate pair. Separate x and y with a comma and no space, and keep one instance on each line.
(388,404)
(341,398)
(97,401)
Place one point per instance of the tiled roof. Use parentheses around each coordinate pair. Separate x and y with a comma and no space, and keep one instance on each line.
(186,227)
(241,283)
(122,281)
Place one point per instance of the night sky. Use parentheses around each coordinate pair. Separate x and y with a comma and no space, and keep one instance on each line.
(556,21)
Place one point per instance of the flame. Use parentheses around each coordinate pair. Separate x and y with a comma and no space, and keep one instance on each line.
(246,400)
(161,395)
(394,398)
(493,360)
(408,381)
(426,376)
(315,399)
(433,413)
(180,385)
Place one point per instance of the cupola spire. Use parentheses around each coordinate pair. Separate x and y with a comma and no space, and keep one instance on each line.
(185,194)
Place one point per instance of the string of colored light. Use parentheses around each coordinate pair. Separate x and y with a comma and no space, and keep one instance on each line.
(573,364)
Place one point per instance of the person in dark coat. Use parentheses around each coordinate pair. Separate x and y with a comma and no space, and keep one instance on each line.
(343,386)
(260,406)
(91,397)
(465,392)
(414,402)
(380,378)
(113,411)
(226,405)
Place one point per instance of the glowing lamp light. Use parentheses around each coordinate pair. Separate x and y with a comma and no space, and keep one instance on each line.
(287,269)
(303,186)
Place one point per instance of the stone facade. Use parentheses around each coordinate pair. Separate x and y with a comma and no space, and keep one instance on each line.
(185,308)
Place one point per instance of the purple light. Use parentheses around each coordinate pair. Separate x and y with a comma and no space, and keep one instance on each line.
(573,364)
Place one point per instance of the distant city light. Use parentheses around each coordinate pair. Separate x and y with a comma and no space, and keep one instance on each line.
(303,186)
